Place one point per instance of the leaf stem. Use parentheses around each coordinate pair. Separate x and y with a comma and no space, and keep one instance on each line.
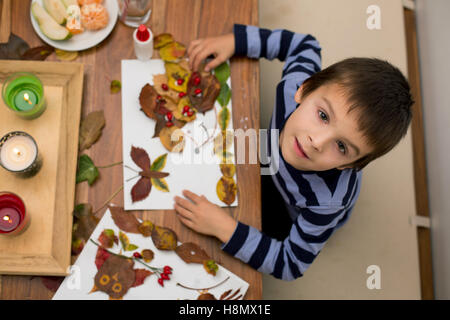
(216,285)
(110,165)
(109,199)
(131,168)
(132,178)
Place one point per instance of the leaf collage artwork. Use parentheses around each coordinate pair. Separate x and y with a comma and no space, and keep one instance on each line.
(127,258)
(185,115)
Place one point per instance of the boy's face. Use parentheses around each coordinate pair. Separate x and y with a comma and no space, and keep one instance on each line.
(319,135)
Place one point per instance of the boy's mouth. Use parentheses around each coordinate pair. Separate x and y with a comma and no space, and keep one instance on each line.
(299,150)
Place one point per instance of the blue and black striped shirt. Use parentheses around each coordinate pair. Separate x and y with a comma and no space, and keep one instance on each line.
(319,202)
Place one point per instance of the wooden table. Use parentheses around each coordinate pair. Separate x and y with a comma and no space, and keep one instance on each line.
(186,20)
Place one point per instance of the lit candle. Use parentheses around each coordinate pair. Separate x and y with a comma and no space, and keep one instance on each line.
(13,217)
(23,93)
(19,153)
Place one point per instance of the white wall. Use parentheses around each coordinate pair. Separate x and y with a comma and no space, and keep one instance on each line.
(379,232)
(433,27)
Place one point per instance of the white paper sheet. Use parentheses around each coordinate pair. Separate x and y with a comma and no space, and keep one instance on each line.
(78,285)
(198,173)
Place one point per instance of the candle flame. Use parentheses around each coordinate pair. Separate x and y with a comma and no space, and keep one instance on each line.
(7,218)
(26,97)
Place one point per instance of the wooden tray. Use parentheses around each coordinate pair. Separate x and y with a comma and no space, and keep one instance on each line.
(44,248)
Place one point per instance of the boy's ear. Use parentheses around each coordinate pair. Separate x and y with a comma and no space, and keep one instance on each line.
(298,95)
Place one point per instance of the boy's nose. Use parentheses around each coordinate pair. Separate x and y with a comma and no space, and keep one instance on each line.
(319,141)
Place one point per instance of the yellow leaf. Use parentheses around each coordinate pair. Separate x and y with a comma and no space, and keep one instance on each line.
(160,184)
(228,170)
(226,190)
(66,55)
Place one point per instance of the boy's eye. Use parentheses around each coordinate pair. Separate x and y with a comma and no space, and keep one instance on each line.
(323,115)
(341,147)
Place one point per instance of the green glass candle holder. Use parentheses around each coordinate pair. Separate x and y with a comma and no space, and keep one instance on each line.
(23,93)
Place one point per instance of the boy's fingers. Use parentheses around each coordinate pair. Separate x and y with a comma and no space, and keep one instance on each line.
(185,221)
(185,203)
(182,211)
(190,195)
(200,56)
(214,63)
(192,45)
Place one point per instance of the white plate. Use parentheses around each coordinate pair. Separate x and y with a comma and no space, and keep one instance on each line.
(84,40)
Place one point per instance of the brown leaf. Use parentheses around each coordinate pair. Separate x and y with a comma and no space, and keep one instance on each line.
(107,238)
(52,283)
(153,174)
(115,277)
(141,189)
(191,253)
(206,296)
(141,275)
(124,220)
(91,129)
(164,238)
(169,133)
(228,170)
(147,100)
(84,222)
(146,228)
(140,157)
(14,48)
(147,255)
(38,53)
(210,87)
(160,124)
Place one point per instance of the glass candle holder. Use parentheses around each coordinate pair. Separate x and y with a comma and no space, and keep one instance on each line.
(19,154)
(23,93)
(14,219)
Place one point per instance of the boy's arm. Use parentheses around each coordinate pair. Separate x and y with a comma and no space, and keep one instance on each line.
(300,51)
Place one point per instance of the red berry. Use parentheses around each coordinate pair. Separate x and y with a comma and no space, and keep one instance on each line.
(158,98)
(185,109)
(161,282)
(180,81)
(169,116)
(167,270)
(190,113)
(137,255)
(165,276)
(169,124)
(181,94)
(165,87)
(198,91)
(197,81)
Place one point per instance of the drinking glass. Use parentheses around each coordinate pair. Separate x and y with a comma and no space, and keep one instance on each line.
(134,12)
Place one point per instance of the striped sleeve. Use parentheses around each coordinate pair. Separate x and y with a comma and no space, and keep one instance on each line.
(301,52)
(288,259)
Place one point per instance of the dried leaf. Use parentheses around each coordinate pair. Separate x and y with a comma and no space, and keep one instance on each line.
(206,296)
(107,238)
(164,238)
(141,275)
(223,141)
(101,257)
(141,189)
(210,87)
(124,220)
(115,86)
(84,223)
(160,184)
(210,266)
(191,253)
(14,48)
(147,100)
(222,72)
(140,157)
(126,245)
(153,174)
(159,163)
(228,170)
(224,118)
(77,246)
(172,139)
(174,72)
(158,81)
(226,190)
(224,95)
(66,55)
(162,39)
(87,171)
(38,53)
(147,255)
(115,277)
(91,129)
(146,228)
(52,283)
(179,112)
(172,51)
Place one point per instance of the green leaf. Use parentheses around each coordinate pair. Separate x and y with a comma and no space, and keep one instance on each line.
(160,184)
(224,118)
(131,247)
(82,210)
(159,163)
(222,72)
(87,171)
(116,85)
(224,95)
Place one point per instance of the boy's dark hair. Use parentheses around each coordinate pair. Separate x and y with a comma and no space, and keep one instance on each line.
(379,91)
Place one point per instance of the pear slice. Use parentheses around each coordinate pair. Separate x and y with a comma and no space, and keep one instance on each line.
(68,3)
(56,9)
(48,25)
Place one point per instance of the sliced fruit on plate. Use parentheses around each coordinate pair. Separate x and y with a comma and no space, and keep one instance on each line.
(68,3)
(56,9)
(48,25)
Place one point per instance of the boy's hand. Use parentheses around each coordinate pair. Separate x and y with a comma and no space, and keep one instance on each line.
(222,48)
(197,213)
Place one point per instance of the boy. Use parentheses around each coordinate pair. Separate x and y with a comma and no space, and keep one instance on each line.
(332,123)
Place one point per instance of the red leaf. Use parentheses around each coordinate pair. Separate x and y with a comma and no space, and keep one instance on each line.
(52,283)
(141,275)
(101,257)
(141,158)
(141,189)
(126,221)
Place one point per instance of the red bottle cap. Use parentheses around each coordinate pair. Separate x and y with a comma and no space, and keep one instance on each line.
(142,33)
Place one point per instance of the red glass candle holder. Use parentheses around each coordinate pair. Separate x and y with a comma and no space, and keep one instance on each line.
(13,217)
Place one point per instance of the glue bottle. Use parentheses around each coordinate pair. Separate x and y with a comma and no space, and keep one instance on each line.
(143,43)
